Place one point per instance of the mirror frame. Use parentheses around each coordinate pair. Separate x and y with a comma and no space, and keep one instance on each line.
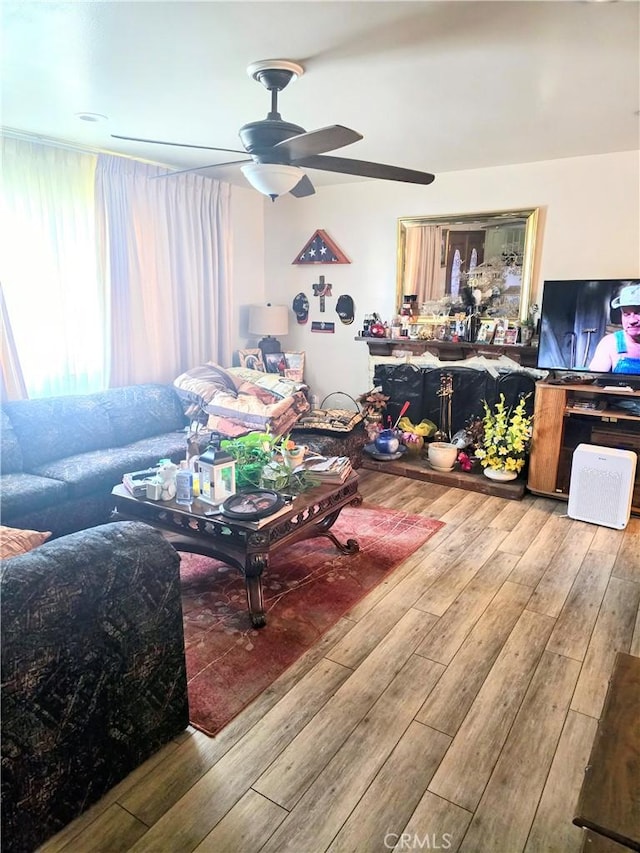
(487,218)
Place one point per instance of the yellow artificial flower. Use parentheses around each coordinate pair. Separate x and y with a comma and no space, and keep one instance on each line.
(507,434)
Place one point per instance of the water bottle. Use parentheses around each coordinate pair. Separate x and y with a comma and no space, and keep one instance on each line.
(184,487)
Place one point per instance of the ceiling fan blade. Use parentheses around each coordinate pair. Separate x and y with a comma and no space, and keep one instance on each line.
(317,141)
(197,168)
(178,144)
(362,168)
(303,188)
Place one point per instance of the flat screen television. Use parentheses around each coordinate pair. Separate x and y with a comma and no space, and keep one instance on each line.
(592,327)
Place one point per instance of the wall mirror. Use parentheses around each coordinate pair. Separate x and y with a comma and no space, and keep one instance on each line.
(481,259)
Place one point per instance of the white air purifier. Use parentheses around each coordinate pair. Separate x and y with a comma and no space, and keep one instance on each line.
(601,487)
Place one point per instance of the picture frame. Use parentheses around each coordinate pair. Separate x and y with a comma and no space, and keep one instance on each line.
(511,336)
(252,504)
(486,330)
(287,364)
(275,362)
(499,335)
(294,366)
(251,359)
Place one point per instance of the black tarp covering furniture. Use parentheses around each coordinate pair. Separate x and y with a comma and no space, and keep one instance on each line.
(420,386)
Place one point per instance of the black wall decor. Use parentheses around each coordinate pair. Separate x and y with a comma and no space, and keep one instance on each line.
(329,328)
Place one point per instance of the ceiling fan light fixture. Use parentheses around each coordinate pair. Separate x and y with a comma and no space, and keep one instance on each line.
(272,179)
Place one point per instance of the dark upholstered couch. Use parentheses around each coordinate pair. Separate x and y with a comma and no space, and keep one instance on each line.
(61,456)
(93,672)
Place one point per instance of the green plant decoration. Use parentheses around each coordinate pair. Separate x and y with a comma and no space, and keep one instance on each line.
(260,465)
(507,435)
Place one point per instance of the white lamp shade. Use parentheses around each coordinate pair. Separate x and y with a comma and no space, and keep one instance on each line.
(272,179)
(268,320)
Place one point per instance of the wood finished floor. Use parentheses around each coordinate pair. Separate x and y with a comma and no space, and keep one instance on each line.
(456,704)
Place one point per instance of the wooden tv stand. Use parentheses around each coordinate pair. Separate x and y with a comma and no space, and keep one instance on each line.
(568,415)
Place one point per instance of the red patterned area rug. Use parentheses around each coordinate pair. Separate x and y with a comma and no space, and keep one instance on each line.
(307,588)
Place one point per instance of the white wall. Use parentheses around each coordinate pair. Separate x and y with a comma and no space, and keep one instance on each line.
(589,226)
(247,256)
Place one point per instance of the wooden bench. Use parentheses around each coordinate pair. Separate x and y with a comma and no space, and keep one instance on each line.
(609,802)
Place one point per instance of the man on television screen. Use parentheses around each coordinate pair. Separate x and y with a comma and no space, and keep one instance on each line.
(619,352)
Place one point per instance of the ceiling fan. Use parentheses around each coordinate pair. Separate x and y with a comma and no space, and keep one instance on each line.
(278,150)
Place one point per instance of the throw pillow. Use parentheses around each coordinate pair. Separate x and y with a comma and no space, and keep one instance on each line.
(14,541)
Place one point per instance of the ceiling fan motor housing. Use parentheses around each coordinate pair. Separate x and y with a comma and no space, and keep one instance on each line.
(273,78)
(258,137)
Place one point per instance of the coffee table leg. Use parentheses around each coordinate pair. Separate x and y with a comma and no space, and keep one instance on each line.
(351,546)
(255,565)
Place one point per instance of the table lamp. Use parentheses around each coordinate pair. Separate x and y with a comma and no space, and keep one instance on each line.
(269,320)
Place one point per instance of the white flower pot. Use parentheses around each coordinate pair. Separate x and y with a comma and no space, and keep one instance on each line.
(500,475)
(442,455)
(295,456)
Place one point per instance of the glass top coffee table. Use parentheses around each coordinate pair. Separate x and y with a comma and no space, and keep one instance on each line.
(245,545)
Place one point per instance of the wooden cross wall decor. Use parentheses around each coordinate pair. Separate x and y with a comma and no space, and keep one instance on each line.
(322,289)
(321,249)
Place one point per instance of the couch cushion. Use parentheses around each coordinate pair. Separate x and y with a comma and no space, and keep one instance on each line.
(14,541)
(101,470)
(10,452)
(55,427)
(139,411)
(22,493)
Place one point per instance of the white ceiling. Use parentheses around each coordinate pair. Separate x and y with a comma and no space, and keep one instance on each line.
(434,86)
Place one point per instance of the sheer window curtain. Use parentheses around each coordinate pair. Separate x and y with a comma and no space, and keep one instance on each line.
(12,386)
(54,294)
(165,246)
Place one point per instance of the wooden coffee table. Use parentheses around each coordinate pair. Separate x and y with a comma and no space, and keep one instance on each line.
(245,545)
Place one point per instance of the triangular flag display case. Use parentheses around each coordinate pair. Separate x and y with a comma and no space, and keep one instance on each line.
(321,249)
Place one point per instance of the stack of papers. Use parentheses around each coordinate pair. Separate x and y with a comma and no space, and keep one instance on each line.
(329,469)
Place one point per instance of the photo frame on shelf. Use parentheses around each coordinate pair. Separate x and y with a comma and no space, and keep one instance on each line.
(251,359)
(486,330)
(294,366)
(498,335)
(511,336)
(274,362)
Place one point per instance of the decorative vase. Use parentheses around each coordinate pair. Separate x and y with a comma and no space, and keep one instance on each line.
(372,425)
(387,441)
(442,455)
(415,445)
(500,474)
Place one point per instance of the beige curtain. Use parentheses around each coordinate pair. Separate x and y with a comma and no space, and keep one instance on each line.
(422,262)
(165,243)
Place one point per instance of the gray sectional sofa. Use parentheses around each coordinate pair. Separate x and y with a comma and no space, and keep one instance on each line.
(61,456)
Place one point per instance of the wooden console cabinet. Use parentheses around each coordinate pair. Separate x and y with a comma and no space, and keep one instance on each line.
(568,415)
